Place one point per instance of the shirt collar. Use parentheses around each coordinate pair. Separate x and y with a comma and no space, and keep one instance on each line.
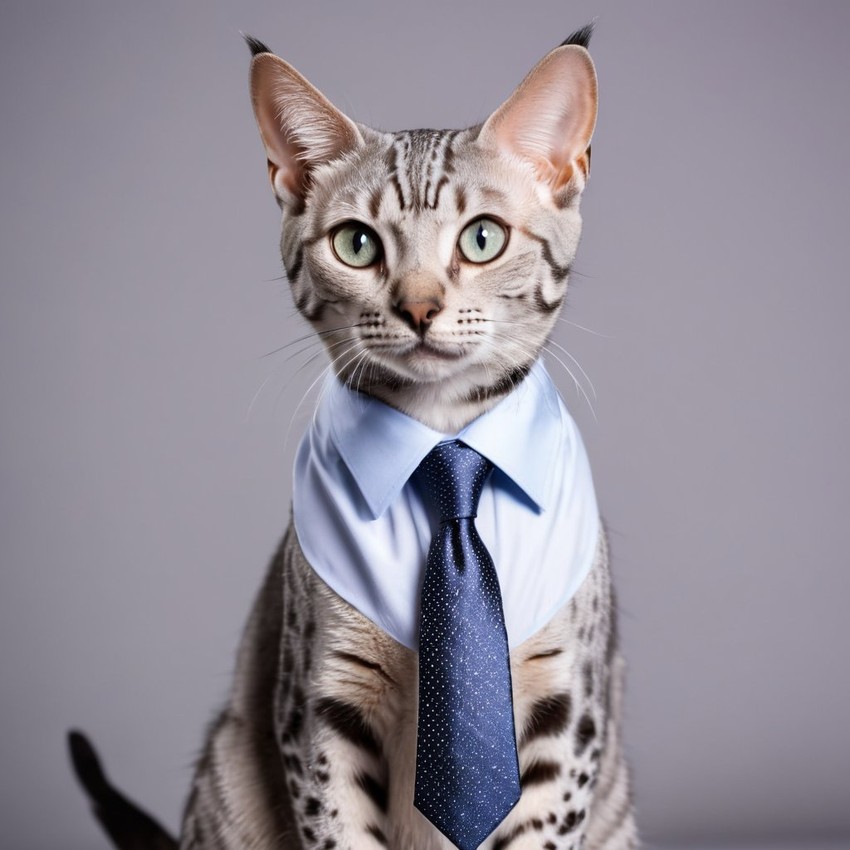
(382,446)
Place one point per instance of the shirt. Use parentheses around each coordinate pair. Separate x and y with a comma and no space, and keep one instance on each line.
(365,529)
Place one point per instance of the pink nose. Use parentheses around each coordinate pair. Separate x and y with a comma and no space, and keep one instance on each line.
(419,314)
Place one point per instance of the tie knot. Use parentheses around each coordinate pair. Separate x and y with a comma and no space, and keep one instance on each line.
(452,476)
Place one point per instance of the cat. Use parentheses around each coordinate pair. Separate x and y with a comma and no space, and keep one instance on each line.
(433,265)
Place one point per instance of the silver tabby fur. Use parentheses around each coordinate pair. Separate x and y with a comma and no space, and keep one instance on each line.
(315,749)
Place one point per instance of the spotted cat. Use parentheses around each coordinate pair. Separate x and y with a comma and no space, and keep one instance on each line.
(433,265)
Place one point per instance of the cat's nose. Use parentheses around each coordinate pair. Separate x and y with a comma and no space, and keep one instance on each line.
(419,313)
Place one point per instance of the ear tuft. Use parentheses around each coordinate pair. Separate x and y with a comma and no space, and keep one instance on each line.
(580,37)
(255,45)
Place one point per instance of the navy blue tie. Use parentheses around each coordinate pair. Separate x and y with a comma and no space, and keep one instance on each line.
(467,774)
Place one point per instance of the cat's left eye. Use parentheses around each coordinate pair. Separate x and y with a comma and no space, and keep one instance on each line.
(356,245)
(482,240)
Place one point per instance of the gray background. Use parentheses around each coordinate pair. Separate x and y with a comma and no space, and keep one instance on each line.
(141,500)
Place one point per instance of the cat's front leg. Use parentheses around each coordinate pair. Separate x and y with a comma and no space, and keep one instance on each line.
(336,716)
(576,790)
(567,699)
(557,784)
(338,780)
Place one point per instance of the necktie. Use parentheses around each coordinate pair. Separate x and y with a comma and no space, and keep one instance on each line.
(467,774)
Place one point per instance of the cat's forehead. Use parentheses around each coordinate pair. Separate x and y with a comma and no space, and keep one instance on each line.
(422,174)
(419,153)
(420,165)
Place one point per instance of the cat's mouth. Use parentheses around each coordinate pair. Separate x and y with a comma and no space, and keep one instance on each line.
(424,360)
(426,350)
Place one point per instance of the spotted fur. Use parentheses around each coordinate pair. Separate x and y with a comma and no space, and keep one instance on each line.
(315,749)
(339,745)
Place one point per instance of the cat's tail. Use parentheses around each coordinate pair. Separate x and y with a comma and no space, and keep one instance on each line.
(125,823)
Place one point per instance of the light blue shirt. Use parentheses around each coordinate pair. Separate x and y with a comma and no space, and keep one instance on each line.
(365,530)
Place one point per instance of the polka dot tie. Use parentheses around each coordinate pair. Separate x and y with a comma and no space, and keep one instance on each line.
(467,774)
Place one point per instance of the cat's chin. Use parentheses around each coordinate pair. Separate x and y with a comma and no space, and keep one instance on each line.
(429,363)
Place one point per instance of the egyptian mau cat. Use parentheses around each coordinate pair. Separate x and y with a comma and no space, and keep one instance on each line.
(433,265)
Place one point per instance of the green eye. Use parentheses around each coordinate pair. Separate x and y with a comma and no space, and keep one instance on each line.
(482,240)
(356,244)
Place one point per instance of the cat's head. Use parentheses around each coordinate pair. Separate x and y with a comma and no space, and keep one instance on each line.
(433,263)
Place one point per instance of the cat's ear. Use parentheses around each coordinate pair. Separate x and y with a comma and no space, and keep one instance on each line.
(300,128)
(549,119)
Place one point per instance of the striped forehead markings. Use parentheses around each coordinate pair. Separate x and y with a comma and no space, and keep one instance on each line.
(420,162)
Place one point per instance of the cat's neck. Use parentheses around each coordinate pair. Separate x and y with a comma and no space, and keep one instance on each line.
(446,405)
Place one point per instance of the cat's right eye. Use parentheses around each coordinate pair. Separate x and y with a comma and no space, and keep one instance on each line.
(356,245)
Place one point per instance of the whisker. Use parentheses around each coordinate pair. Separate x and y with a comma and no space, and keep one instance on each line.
(587,377)
(255,397)
(313,336)
(309,389)
(355,382)
(292,355)
(563,319)
(325,350)
(544,347)
(530,353)
(579,386)
(567,321)
(327,346)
